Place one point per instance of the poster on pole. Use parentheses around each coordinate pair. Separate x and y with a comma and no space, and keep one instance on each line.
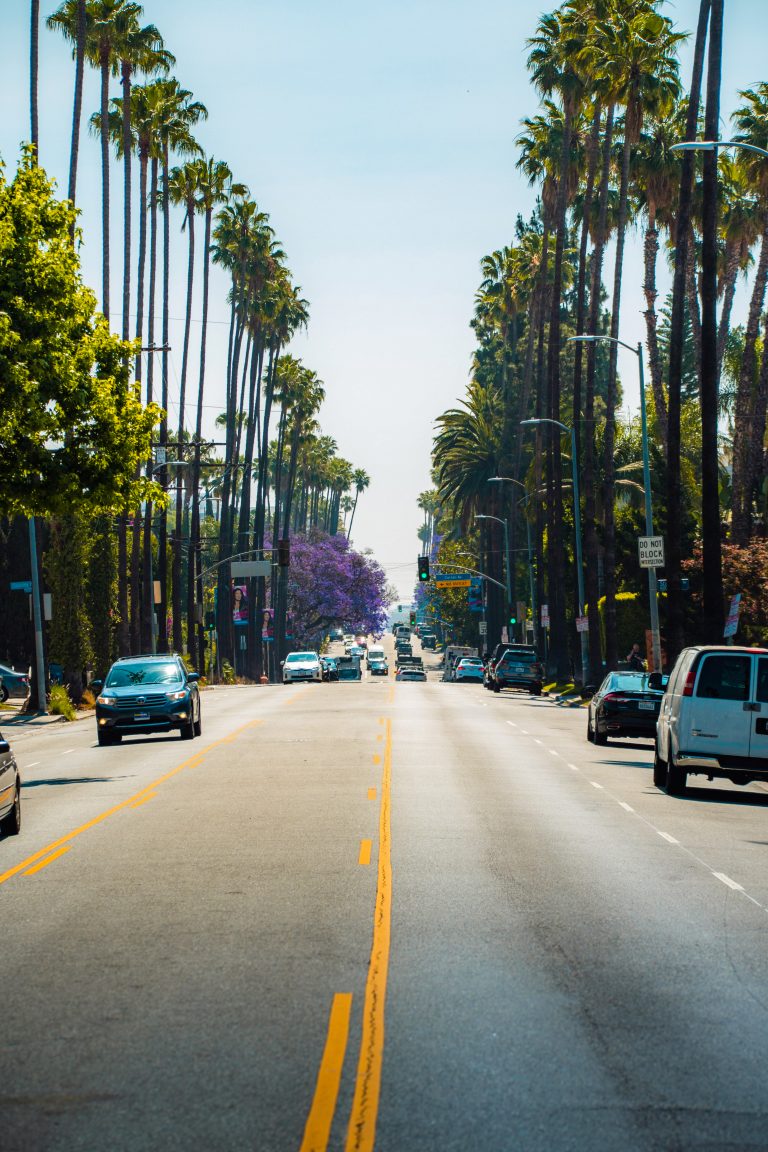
(582,624)
(732,622)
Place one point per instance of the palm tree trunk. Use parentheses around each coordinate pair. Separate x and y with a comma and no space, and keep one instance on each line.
(195,567)
(149,619)
(673,554)
(728,293)
(34,44)
(127,605)
(742,428)
(177,597)
(651,252)
(78,101)
(105,182)
(692,299)
(712,561)
(162,559)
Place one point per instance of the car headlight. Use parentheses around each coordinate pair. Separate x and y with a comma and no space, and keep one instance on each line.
(106,700)
(182,695)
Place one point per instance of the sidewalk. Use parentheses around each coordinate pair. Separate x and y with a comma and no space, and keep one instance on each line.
(31,721)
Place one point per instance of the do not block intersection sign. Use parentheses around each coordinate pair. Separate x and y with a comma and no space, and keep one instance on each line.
(651,550)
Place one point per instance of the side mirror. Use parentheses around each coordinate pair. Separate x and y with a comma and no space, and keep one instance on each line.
(656,682)
(4,747)
(282,662)
(193,677)
(96,686)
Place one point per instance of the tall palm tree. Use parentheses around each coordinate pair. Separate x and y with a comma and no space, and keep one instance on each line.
(34,44)
(361,481)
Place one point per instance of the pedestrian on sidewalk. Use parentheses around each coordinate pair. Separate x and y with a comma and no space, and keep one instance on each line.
(635,660)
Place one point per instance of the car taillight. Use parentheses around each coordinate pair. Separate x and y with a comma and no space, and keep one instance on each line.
(617,698)
(689,682)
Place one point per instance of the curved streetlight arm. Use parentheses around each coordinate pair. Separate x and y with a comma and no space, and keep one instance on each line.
(533,423)
(714,145)
(610,339)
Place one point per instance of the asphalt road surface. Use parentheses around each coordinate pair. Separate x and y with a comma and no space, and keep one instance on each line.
(403,917)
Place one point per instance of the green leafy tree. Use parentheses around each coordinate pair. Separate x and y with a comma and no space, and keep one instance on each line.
(72,427)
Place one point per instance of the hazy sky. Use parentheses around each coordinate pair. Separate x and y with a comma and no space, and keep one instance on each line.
(380,139)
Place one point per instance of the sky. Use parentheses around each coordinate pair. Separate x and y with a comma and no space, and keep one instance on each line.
(381,141)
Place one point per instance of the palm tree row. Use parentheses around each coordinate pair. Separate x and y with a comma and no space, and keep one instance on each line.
(599,151)
(263,484)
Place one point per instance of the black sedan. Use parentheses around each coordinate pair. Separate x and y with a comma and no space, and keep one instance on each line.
(624,705)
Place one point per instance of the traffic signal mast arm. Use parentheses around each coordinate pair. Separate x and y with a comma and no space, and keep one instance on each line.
(473,571)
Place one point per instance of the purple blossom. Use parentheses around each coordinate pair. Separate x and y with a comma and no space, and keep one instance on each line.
(329,583)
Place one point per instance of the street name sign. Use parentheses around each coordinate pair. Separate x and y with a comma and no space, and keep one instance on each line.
(453,580)
(250,569)
(651,550)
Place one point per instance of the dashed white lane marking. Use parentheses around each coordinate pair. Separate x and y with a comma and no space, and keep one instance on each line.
(666,836)
(524,731)
(553,752)
(596,785)
(68,751)
(574,767)
(511,723)
(625,806)
(34,764)
(537,741)
(727,880)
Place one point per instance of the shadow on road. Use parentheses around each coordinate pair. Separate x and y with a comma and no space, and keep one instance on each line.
(720,796)
(70,780)
(646,764)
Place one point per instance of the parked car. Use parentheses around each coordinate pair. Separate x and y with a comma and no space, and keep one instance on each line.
(713,719)
(144,694)
(299,667)
(10,791)
(329,668)
(625,704)
(12,683)
(410,672)
(469,669)
(517,667)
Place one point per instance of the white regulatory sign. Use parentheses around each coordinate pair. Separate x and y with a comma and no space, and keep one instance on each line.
(651,549)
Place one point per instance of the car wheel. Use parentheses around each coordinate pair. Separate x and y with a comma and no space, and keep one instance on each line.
(659,768)
(3,694)
(676,777)
(10,825)
(104,738)
(497,688)
(199,724)
(600,737)
(590,730)
(188,730)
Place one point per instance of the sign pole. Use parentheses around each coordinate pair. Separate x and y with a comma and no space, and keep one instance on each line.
(652,589)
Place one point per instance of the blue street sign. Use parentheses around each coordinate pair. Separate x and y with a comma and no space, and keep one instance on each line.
(22,586)
(685,584)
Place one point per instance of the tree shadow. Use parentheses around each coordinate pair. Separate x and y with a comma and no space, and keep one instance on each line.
(646,764)
(56,780)
(720,796)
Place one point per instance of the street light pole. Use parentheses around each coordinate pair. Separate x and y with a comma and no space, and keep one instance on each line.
(531,581)
(584,639)
(499,520)
(652,582)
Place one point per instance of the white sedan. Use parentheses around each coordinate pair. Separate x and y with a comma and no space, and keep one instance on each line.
(469,668)
(302,666)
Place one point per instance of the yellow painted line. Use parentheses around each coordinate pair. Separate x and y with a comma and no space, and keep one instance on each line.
(50,860)
(379,736)
(381,719)
(144,799)
(365,852)
(190,763)
(377,759)
(371,793)
(361,1132)
(318,1127)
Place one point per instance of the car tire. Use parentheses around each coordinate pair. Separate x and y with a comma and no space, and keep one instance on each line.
(659,769)
(3,694)
(199,724)
(496,687)
(677,779)
(188,730)
(590,730)
(104,738)
(600,737)
(10,825)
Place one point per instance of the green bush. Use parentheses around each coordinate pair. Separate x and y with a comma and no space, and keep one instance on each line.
(631,621)
(60,703)
(227,673)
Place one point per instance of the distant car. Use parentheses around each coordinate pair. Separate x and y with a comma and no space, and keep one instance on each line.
(428,640)
(144,694)
(13,683)
(335,634)
(625,704)
(410,672)
(356,650)
(302,666)
(469,668)
(378,666)
(329,668)
(10,791)
(349,668)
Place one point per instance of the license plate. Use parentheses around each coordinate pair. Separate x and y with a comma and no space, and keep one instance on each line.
(141,715)
(646,705)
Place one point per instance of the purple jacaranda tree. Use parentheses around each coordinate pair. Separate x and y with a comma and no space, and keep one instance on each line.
(329,583)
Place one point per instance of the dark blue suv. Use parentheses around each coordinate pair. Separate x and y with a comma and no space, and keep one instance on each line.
(143,694)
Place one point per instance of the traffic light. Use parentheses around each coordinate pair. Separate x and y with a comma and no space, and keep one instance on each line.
(423,568)
(513,619)
(413,619)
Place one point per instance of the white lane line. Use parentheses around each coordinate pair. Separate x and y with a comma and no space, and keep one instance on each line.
(537,741)
(511,723)
(625,806)
(574,767)
(34,764)
(727,880)
(524,731)
(596,785)
(68,751)
(666,836)
(553,752)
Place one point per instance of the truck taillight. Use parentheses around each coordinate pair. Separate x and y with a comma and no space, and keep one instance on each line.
(689,682)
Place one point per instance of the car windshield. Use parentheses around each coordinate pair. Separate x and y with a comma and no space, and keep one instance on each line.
(156,672)
(295,657)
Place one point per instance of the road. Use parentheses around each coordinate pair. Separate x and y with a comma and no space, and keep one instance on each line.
(409,917)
